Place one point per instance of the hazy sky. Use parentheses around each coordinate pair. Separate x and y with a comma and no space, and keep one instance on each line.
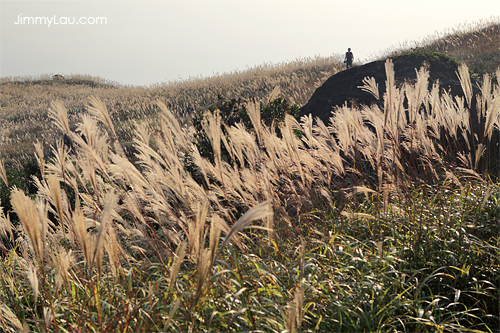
(146,42)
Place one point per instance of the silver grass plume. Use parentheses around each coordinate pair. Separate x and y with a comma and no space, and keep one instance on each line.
(3,174)
(28,214)
(464,77)
(39,156)
(259,212)
(370,86)
(106,220)
(58,114)
(389,96)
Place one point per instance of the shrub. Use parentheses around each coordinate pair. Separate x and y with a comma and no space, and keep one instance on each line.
(428,54)
(234,111)
(20,176)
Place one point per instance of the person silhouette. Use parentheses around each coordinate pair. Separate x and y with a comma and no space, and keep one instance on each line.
(349,57)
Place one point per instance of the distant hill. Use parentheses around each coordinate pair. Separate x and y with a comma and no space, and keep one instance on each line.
(343,87)
(62,83)
(479,49)
(24,101)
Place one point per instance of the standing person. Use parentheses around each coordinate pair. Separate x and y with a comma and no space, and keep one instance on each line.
(349,57)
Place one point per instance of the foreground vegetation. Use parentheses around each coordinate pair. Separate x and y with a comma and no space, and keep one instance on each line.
(434,268)
(385,220)
(344,237)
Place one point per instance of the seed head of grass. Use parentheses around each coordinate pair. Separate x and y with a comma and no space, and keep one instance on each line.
(33,279)
(28,214)
(59,115)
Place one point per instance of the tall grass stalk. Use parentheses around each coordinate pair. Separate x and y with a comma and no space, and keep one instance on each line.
(394,225)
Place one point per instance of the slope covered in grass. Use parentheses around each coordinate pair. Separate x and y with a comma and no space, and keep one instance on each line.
(354,229)
(25,103)
(385,220)
(476,44)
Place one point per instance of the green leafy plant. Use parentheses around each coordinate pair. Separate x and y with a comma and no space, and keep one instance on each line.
(19,175)
(234,111)
(429,54)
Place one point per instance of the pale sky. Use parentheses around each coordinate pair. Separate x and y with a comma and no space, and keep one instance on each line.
(148,42)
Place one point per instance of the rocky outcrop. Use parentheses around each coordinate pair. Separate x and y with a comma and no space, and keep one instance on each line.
(343,88)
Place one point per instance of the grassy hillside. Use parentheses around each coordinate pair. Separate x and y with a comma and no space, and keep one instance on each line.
(479,49)
(385,221)
(476,44)
(25,102)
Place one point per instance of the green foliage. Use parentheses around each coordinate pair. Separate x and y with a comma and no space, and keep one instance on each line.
(275,112)
(428,262)
(234,111)
(428,54)
(20,176)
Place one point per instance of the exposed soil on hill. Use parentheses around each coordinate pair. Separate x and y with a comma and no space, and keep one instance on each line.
(342,87)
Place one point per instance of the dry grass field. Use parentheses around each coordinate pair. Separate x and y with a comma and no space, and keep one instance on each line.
(387,220)
(25,101)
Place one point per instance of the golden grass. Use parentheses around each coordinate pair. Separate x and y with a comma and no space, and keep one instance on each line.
(8,318)
(30,221)
(272,171)
(5,225)
(464,42)
(3,174)
(149,208)
(33,279)
(29,103)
